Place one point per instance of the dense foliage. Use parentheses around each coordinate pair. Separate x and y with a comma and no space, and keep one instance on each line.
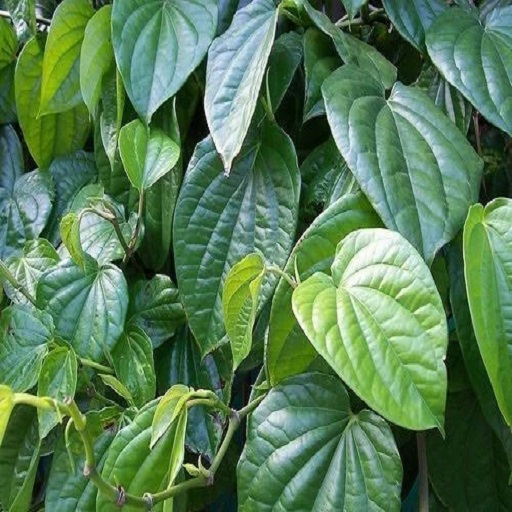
(287,215)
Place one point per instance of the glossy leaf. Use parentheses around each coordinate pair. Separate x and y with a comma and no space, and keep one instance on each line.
(60,86)
(6,407)
(24,337)
(488,272)
(88,305)
(236,67)
(58,379)
(306,450)
(133,362)
(240,299)
(476,57)
(51,135)
(288,351)
(418,170)
(158,44)
(379,322)
(220,220)
(353,6)
(147,154)
(118,387)
(8,43)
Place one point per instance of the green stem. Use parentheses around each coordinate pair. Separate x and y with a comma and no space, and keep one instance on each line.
(96,366)
(7,275)
(363,20)
(422,471)
(287,277)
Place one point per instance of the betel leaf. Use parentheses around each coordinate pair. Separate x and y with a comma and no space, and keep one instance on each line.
(24,337)
(57,379)
(156,308)
(412,18)
(133,362)
(417,169)
(306,450)
(96,57)
(7,100)
(476,57)
(11,157)
(379,322)
(158,44)
(88,305)
(353,6)
(60,85)
(237,61)
(477,471)
(118,387)
(219,220)
(37,257)
(488,272)
(8,43)
(147,154)
(288,351)
(50,135)
(240,299)
(23,13)
(6,408)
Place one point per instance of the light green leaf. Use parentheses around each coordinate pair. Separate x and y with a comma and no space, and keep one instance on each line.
(166,40)
(133,362)
(240,299)
(412,18)
(220,220)
(417,169)
(51,135)
(237,61)
(37,257)
(60,86)
(380,324)
(96,57)
(88,305)
(70,235)
(306,450)
(8,43)
(476,57)
(288,351)
(353,6)
(156,308)
(488,272)
(6,407)
(24,337)
(148,154)
(57,380)
(118,387)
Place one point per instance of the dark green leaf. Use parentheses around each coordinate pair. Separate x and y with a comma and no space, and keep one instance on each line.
(8,43)
(353,6)
(11,158)
(7,99)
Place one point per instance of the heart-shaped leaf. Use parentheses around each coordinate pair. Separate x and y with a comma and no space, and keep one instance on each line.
(476,57)
(158,44)
(488,272)
(219,220)
(418,170)
(306,450)
(380,324)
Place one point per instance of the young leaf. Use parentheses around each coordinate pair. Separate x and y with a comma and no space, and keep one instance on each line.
(147,154)
(8,43)
(118,387)
(158,44)
(58,379)
(476,57)
(353,6)
(418,170)
(88,305)
(25,334)
(240,299)
(488,272)
(51,135)
(6,407)
(306,450)
(237,61)
(379,322)
(219,220)
(60,86)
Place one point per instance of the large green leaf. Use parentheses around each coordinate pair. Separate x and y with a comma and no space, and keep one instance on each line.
(158,44)
(488,272)
(88,305)
(57,380)
(306,450)
(288,350)
(11,158)
(418,170)
(51,135)
(7,99)
(156,308)
(6,408)
(412,18)
(476,57)
(24,337)
(380,324)
(60,86)
(220,220)
(237,61)
(8,43)
(468,470)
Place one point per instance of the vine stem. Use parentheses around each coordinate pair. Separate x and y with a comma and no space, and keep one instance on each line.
(287,277)
(363,20)
(423,471)
(7,275)
(96,366)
